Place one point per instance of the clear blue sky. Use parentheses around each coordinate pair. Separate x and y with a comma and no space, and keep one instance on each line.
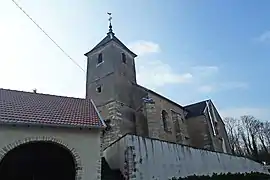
(188,50)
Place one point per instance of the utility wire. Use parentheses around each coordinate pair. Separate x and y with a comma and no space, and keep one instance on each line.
(48,36)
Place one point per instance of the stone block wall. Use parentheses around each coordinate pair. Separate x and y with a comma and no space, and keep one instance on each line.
(217,130)
(198,129)
(176,123)
(222,134)
(119,118)
(141,123)
(152,122)
(180,128)
(111,115)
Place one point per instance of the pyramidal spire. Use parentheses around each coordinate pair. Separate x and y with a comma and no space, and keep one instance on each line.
(110,33)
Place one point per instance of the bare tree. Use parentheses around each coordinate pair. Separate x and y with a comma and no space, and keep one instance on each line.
(266,132)
(260,129)
(232,126)
(249,136)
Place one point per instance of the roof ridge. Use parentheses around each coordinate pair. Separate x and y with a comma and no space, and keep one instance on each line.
(43,94)
(108,39)
(198,102)
(160,95)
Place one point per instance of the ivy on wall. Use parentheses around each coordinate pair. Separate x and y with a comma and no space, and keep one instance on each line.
(229,176)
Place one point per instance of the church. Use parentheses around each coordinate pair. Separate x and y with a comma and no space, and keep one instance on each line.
(120,130)
(129,108)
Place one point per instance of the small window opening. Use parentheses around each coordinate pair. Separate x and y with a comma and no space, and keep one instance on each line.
(98,89)
(165,117)
(124,58)
(182,119)
(100,60)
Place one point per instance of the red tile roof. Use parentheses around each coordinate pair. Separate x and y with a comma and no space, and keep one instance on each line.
(18,107)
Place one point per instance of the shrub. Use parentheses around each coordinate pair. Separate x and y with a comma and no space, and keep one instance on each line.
(229,176)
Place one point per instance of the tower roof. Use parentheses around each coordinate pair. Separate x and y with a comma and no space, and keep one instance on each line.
(110,37)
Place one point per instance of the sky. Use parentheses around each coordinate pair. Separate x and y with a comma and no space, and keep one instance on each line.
(188,51)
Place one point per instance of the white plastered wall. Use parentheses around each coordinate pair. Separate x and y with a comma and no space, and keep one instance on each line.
(83,144)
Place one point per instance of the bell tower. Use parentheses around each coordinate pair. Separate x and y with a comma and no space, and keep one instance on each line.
(110,84)
(110,70)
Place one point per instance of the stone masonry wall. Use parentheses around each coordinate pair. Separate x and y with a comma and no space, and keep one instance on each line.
(141,123)
(199,132)
(177,129)
(221,131)
(178,120)
(119,120)
(202,134)
(110,113)
(152,122)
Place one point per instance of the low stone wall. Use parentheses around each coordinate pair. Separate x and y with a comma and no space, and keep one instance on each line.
(144,158)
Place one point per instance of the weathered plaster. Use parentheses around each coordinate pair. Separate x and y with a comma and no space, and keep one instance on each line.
(84,145)
(159,160)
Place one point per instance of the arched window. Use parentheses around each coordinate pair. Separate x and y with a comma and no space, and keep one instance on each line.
(99,89)
(100,59)
(124,58)
(165,118)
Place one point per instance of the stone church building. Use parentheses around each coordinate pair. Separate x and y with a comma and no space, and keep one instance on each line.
(129,108)
(121,130)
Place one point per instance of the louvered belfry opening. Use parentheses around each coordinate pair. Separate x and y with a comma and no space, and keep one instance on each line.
(38,161)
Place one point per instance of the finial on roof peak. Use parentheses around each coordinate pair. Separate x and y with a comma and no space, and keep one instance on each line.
(110,33)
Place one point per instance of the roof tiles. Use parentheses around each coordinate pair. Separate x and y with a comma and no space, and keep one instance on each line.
(20,107)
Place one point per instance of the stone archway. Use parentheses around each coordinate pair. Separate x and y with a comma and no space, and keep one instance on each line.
(39,159)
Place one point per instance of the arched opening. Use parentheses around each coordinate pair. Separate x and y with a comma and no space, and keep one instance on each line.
(38,161)
(165,117)
(124,58)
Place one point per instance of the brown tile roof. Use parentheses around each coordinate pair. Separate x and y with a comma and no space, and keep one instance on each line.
(18,107)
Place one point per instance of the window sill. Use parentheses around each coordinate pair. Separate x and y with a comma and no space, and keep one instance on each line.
(168,131)
(99,64)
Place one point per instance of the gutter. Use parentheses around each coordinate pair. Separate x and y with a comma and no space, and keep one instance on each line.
(100,118)
(38,124)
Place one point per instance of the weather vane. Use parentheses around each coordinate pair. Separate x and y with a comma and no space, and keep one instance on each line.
(110,25)
(110,17)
